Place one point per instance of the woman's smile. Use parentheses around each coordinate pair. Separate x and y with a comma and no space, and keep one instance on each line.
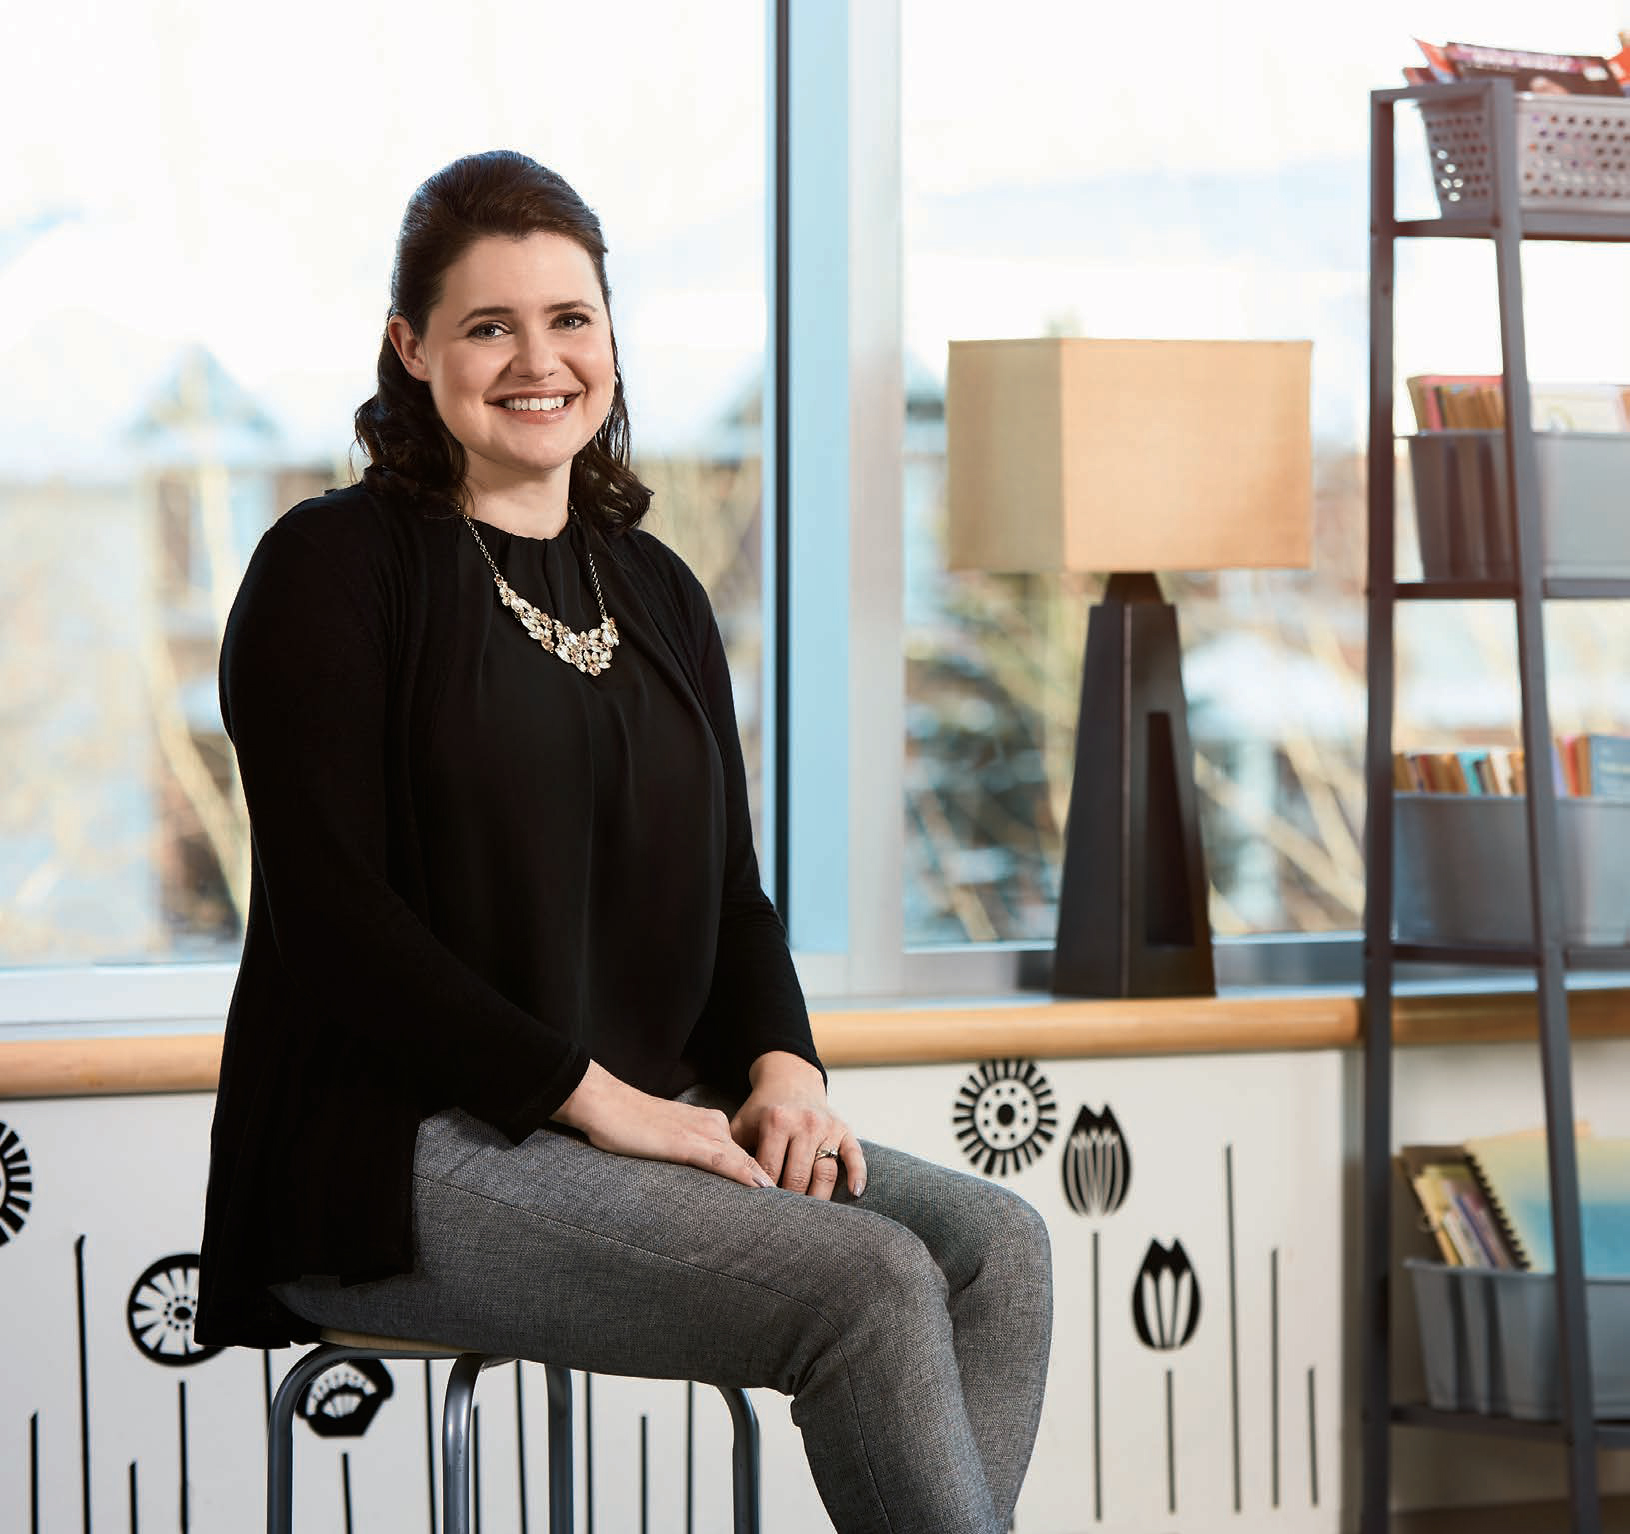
(538,410)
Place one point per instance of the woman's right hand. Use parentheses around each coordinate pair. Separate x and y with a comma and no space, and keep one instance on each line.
(627,1122)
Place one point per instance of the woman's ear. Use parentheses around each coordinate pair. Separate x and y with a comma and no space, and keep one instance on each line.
(408,347)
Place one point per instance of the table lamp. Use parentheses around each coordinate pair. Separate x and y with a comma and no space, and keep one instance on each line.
(1128,457)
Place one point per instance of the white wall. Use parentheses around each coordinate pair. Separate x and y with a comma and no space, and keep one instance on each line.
(127,1174)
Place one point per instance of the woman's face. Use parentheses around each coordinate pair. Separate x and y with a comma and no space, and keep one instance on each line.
(518,357)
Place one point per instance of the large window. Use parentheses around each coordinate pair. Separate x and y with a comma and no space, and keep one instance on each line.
(1198,174)
(193,276)
(196,227)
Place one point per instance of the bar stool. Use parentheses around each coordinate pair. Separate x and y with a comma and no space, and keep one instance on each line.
(342,1347)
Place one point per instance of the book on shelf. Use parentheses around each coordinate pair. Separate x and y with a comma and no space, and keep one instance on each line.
(1607,766)
(1584,766)
(1513,1172)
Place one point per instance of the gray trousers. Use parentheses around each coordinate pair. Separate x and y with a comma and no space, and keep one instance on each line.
(910,1326)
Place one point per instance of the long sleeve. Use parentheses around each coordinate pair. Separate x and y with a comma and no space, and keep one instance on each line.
(305,682)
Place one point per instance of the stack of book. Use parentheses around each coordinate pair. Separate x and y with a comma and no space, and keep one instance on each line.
(1475,402)
(1582,767)
(1487,1202)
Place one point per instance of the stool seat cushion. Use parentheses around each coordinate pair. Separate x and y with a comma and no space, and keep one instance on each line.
(336,1338)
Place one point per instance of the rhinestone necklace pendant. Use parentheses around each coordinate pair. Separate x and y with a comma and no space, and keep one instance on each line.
(589,651)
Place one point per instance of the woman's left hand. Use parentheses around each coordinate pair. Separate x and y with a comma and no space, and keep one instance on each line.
(786,1120)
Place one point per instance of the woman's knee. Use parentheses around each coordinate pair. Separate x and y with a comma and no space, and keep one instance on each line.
(1015,1237)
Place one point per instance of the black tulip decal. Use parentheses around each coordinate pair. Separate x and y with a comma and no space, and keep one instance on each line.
(341,1402)
(160,1312)
(16,1184)
(1166,1298)
(1097,1163)
(1004,1115)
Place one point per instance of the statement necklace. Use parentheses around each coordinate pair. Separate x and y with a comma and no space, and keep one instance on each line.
(590,652)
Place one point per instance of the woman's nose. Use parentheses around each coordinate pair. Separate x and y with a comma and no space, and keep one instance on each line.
(535,357)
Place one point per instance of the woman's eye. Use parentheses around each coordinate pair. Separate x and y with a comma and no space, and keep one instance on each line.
(486,326)
(573,321)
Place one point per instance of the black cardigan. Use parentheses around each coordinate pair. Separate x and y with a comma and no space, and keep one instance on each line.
(353,1015)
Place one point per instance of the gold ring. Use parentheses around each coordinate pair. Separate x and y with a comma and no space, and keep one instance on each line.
(825,1152)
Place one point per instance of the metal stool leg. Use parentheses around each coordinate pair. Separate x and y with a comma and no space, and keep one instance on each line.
(455,1442)
(744,1459)
(280,1435)
(561,1512)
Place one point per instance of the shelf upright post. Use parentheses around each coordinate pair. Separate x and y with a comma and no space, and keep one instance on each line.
(1375,1307)
(1544,861)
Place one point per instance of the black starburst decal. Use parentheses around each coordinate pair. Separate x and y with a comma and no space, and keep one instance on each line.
(1097,1163)
(16,1184)
(341,1402)
(1166,1298)
(161,1309)
(1004,1116)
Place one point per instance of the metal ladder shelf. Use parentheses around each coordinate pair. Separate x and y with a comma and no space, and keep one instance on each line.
(1507,226)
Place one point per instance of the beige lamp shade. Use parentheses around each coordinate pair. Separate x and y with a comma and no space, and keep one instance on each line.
(1091,455)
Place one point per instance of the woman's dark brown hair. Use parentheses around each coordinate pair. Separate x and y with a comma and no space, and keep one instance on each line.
(410,452)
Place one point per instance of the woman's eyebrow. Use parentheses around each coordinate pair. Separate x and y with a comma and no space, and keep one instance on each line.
(509,313)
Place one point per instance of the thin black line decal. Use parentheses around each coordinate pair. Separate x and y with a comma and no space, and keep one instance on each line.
(135,1522)
(1312,1440)
(84,1391)
(429,1446)
(1097,1397)
(1171,1448)
(475,1462)
(1273,1361)
(181,1426)
(266,1379)
(34,1474)
(588,1451)
(520,1443)
(690,1457)
(645,1474)
(345,1490)
(1233,1320)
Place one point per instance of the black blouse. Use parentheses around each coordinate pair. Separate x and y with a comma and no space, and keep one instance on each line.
(474,869)
(574,824)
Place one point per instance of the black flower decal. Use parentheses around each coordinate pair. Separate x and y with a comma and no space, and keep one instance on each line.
(16,1184)
(341,1402)
(160,1312)
(1004,1115)
(1166,1298)
(1097,1163)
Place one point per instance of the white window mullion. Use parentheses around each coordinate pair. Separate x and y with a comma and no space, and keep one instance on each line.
(846,393)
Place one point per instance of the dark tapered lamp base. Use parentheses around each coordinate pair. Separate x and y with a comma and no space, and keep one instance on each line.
(1132,911)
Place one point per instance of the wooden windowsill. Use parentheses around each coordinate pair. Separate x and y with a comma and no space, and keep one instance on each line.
(915,1035)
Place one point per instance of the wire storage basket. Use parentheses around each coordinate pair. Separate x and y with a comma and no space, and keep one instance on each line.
(1573,154)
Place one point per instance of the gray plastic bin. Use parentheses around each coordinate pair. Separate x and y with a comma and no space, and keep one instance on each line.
(1462,869)
(1489,1342)
(1463,504)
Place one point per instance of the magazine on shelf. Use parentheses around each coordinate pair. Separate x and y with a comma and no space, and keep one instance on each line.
(1558,74)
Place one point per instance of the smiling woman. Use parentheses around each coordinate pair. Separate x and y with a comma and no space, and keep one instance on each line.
(517,1054)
